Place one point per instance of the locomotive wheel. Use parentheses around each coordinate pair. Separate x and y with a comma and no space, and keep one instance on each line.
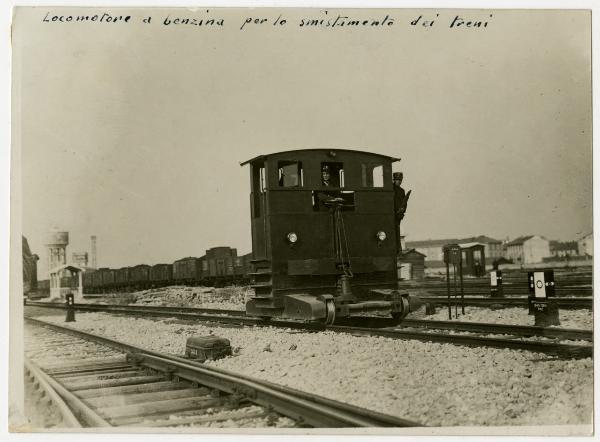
(330,312)
(397,317)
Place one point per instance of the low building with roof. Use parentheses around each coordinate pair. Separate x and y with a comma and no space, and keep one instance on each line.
(528,249)
(494,248)
(411,265)
(562,249)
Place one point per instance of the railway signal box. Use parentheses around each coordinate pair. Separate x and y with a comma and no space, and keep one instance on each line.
(70,301)
(541,291)
(452,254)
(541,287)
(496,290)
(541,283)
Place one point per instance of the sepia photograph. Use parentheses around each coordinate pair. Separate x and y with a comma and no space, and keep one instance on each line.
(301,220)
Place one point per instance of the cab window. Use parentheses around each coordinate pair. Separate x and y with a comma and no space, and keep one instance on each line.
(332,174)
(372,175)
(290,173)
(258,188)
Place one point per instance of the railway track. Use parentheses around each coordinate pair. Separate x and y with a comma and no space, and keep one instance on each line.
(503,329)
(565,286)
(374,326)
(485,291)
(99,382)
(565,303)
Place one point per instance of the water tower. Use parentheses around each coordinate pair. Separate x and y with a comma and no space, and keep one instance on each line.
(56,243)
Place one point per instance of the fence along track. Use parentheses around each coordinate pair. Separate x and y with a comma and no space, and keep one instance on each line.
(147,388)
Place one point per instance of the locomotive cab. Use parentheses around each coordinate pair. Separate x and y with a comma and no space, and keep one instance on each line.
(323,235)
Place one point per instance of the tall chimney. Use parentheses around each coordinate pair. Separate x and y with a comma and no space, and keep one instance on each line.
(94,263)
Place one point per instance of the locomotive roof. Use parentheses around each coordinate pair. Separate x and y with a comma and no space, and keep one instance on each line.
(262,157)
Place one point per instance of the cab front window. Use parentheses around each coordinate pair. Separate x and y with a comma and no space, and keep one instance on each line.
(290,174)
(372,175)
(332,174)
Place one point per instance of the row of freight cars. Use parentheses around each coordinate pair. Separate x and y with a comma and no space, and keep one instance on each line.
(220,266)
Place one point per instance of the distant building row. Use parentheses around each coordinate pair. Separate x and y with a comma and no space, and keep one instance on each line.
(523,250)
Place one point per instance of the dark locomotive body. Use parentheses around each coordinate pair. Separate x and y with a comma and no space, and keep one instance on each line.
(313,243)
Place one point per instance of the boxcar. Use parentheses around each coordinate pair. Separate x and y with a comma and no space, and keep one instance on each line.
(238,266)
(122,277)
(323,246)
(88,281)
(139,276)
(220,265)
(108,279)
(248,266)
(161,274)
(96,281)
(187,271)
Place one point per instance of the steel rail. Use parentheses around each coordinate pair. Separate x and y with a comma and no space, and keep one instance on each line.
(390,331)
(173,309)
(504,329)
(36,375)
(550,348)
(567,303)
(507,293)
(73,409)
(311,410)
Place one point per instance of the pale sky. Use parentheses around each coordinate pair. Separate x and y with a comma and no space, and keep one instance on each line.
(134,132)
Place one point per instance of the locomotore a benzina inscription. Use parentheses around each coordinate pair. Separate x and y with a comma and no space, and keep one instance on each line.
(98,18)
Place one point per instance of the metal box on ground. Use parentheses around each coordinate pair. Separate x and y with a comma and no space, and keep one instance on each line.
(207,347)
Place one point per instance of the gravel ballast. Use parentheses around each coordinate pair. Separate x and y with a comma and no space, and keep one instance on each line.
(435,384)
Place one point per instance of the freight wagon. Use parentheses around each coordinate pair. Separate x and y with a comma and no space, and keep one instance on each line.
(220,266)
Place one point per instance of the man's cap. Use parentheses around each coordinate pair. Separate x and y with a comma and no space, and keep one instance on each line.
(398,175)
(324,168)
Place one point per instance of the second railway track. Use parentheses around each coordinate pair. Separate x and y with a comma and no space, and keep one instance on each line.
(409,329)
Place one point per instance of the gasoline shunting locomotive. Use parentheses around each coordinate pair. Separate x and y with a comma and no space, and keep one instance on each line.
(324,235)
